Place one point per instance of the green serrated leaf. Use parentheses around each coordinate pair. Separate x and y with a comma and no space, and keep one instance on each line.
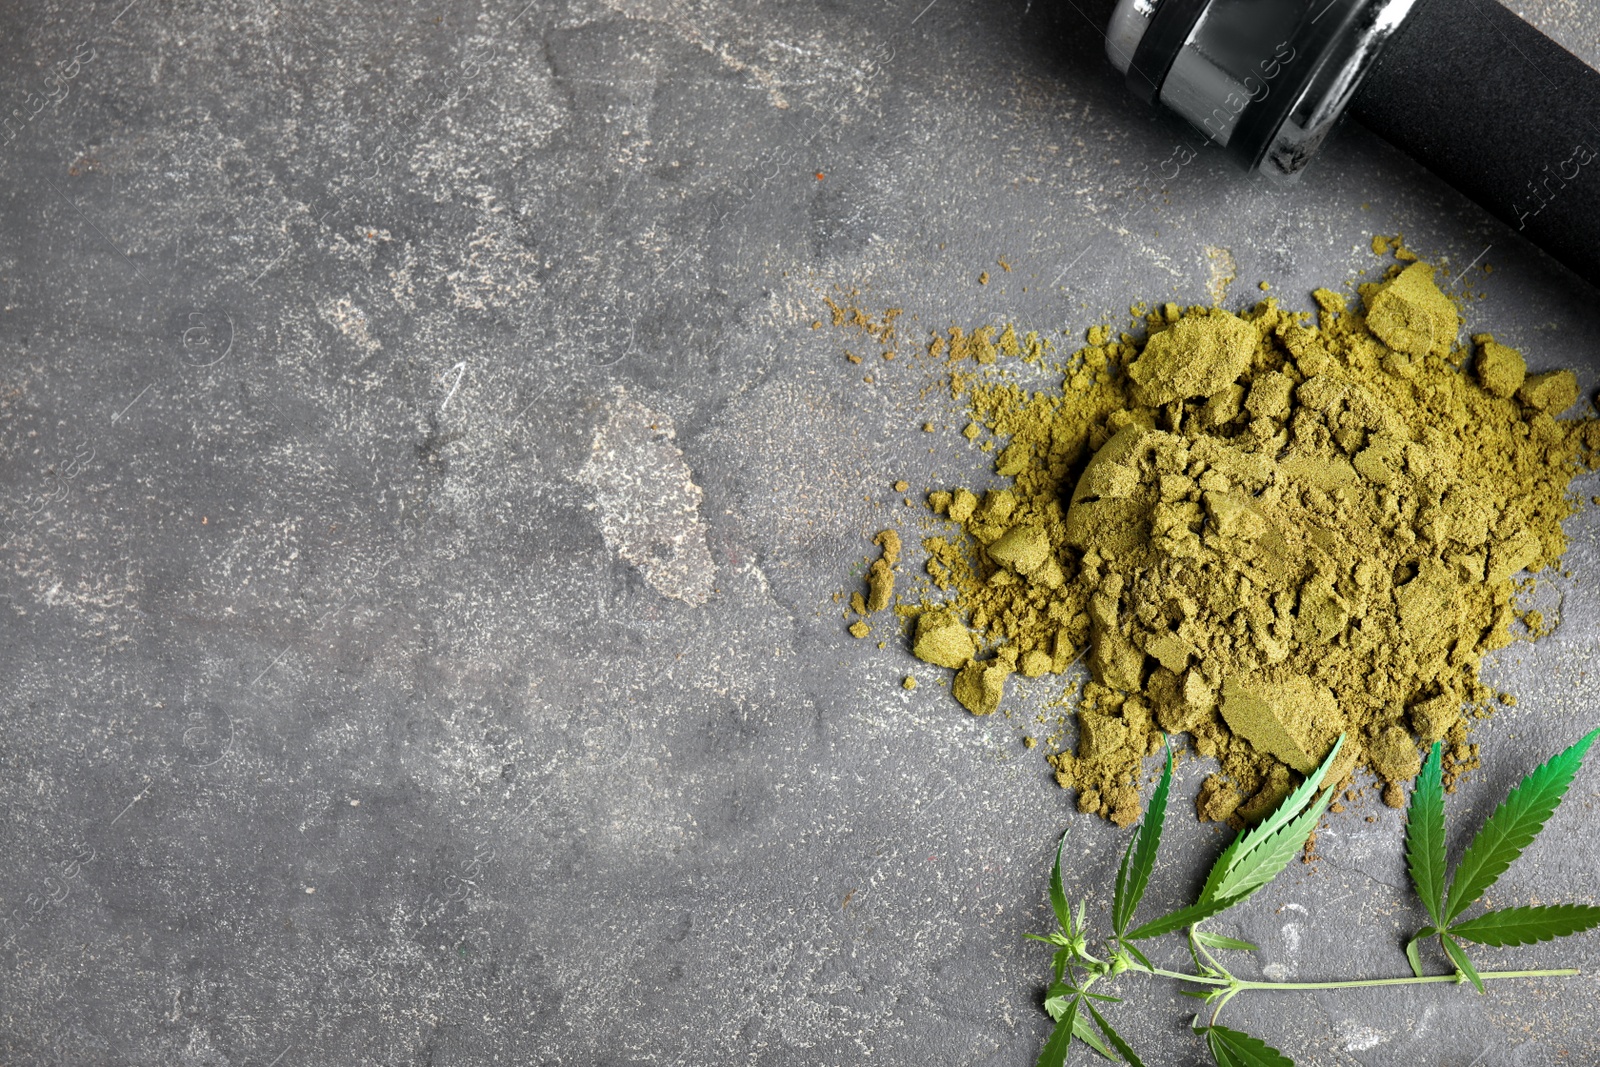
(1274,854)
(1116,1039)
(1120,893)
(1512,827)
(1413,957)
(1251,840)
(1256,868)
(1147,843)
(1233,1048)
(1458,956)
(1177,920)
(1255,856)
(1054,1053)
(1211,940)
(1085,1033)
(1297,800)
(1269,847)
(1425,836)
(1058,893)
(1083,907)
(1224,864)
(1140,956)
(1194,951)
(1104,998)
(1056,999)
(1058,964)
(1526,926)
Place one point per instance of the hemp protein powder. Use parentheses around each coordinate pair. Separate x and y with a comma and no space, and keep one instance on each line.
(1261,530)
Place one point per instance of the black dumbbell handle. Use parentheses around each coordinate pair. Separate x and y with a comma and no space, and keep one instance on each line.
(1501,112)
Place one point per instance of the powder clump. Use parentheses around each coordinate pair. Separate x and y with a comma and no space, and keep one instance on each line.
(880,583)
(880,576)
(980,686)
(1293,718)
(1410,315)
(1501,370)
(1552,392)
(943,640)
(1198,356)
(1263,530)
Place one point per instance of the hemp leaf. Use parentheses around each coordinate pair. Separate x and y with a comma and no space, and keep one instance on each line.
(1512,827)
(1211,940)
(1055,1050)
(1526,926)
(1056,1001)
(1131,883)
(1458,956)
(1510,830)
(1058,893)
(1232,1048)
(1115,1038)
(1425,837)
(1085,1033)
(1255,857)
(1266,850)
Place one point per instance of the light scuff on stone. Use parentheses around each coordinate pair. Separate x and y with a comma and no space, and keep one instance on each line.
(648,501)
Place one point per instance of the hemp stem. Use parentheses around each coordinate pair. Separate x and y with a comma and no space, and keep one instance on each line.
(1242,984)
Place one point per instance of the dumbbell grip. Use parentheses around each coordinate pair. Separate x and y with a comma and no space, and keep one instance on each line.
(1501,112)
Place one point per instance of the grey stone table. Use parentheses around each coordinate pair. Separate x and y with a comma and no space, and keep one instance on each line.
(424,499)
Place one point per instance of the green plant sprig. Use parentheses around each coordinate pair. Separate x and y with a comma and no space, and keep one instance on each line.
(1254,859)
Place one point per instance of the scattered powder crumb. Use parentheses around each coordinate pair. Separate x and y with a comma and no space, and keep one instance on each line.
(880,582)
(880,576)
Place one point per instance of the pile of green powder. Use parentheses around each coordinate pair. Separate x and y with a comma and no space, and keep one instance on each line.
(1260,530)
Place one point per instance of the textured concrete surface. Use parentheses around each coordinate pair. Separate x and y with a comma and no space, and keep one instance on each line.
(423,499)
